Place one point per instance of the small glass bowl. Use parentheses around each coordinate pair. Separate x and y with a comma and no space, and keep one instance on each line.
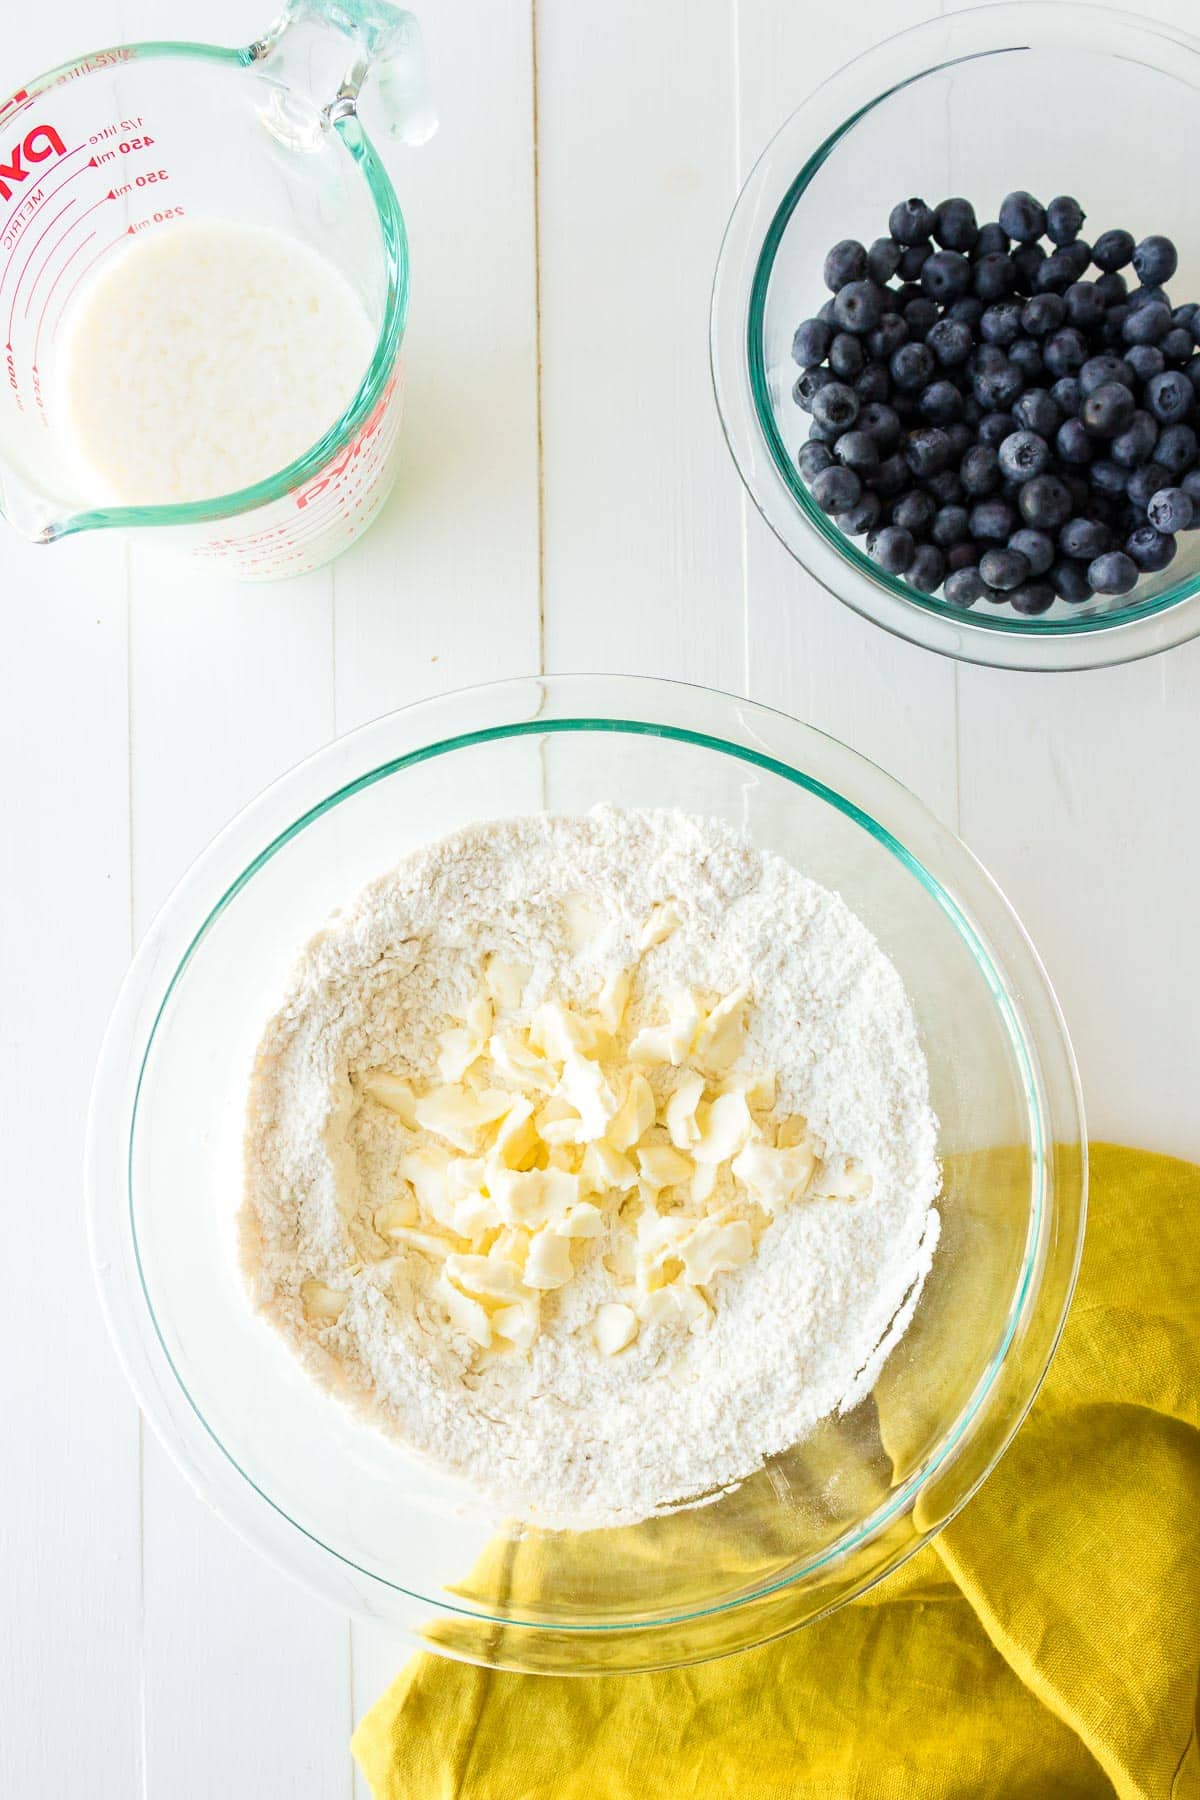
(346,1509)
(1053,98)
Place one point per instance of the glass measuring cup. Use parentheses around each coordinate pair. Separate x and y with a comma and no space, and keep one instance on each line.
(124,142)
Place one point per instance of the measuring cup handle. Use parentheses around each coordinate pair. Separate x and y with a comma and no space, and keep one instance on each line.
(382,40)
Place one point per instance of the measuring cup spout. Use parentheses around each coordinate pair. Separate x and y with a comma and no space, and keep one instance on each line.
(322,52)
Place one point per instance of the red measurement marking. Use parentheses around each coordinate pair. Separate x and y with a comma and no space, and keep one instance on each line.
(37,200)
(21,276)
(84,272)
(37,336)
(77,220)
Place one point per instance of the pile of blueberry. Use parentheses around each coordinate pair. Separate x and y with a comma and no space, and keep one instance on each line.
(999,425)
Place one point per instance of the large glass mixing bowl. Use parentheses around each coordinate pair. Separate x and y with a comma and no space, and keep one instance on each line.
(1055,98)
(344,1508)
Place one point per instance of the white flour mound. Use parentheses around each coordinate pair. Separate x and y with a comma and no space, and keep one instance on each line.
(564,1434)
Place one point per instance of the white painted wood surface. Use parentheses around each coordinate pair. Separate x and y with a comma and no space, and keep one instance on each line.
(566,503)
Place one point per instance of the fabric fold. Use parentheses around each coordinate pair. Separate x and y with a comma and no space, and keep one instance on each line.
(1047,1643)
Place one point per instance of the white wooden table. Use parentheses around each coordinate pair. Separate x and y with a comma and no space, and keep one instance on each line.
(566,502)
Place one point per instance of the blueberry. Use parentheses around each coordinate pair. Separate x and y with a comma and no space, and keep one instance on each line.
(887,336)
(1112,288)
(1170,510)
(1113,250)
(811,342)
(864,516)
(973,412)
(825,311)
(1155,260)
(910,221)
(963,556)
(950,527)
(1069,581)
(808,385)
(1064,219)
(1170,396)
(1032,597)
(964,587)
(893,549)
(1183,315)
(912,366)
(846,356)
(1022,217)
(950,340)
(915,512)
(1177,345)
(1145,482)
(1108,478)
(941,402)
(1085,305)
(883,259)
(1151,550)
(969,310)
(913,260)
(1026,355)
(946,276)
(1084,538)
(927,569)
(835,406)
(1073,444)
(892,477)
(1145,360)
(858,307)
(812,458)
(1059,272)
(1079,488)
(960,436)
(954,225)
(873,384)
(1176,448)
(945,488)
(1192,371)
(857,451)
(1001,323)
(1149,296)
(1065,351)
(1108,409)
(880,423)
(1146,324)
(993,240)
(1067,395)
(994,277)
(847,261)
(1036,411)
(1045,503)
(927,451)
(1043,313)
(919,315)
(994,427)
(998,388)
(1108,366)
(992,521)
(1112,573)
(1191,486)
(1136,443)
(1023,455)
(1004,568)
(980,471)
(1026,260)
(836,490)
(1037,547)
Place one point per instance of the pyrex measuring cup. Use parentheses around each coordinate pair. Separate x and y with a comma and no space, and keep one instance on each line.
(125,142)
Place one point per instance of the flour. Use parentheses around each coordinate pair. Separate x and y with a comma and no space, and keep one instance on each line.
(562,1433)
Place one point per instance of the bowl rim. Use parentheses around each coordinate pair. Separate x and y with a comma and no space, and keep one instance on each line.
(739,298)
(145,996)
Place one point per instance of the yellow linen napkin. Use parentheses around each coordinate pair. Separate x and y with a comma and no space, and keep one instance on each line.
(1046,1646)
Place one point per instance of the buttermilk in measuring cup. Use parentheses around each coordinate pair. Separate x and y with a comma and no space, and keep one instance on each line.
(206,358)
